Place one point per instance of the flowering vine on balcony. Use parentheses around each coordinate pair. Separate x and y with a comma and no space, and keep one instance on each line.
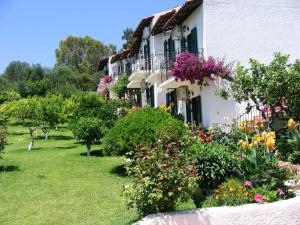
(106,79)
(189,66)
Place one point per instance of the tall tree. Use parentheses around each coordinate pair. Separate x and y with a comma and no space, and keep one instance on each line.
(128,37)
(81,53)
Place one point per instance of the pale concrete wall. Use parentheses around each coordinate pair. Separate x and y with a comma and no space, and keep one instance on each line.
(243,29)
(285,212)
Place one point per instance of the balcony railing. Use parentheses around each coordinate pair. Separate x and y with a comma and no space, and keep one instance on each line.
(160,63)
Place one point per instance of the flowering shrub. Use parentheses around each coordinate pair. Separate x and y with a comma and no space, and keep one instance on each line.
(2,139)
(163,174)
(188,66)
(106,79)
(294,141)
(233,192)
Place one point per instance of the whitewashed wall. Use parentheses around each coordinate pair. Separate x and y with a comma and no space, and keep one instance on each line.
(240,29)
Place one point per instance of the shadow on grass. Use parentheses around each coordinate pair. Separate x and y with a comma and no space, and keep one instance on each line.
(9,168)
(94,153)
(66,147)
(119,170)
(56,137)
(18,133)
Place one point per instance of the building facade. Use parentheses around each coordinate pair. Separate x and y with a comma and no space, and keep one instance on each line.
(235,30)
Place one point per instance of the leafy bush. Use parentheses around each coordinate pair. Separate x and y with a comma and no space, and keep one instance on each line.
(120,87)
(138,127)
(163,174)
(2,139)
(215,165)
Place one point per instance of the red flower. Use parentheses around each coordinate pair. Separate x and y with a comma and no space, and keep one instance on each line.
(208,139)
(201,135)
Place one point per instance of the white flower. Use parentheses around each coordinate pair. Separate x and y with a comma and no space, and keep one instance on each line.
(290,183)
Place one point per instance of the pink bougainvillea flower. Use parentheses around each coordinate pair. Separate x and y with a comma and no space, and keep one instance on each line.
(259,198)
(247,183)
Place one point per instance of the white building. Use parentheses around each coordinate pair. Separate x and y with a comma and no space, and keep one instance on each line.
(237,30)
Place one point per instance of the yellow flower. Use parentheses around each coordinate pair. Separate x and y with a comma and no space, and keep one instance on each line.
(271,135)
(292,124)
(231,189)
(257,138)
(172,104)
(240,143)
(245,144)
(244,122)
(241,128)
(270,143)
(217,197)
(255,144)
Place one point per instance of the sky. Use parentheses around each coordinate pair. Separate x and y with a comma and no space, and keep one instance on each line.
(30,30)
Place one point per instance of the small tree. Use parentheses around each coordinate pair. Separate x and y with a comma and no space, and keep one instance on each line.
(89,130)
(26,112)
(50,113)
(6,111)
(276,86)
(120,87)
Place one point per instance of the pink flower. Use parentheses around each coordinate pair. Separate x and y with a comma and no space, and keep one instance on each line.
(280,192)
(259,198)
(247,183)
(208,139)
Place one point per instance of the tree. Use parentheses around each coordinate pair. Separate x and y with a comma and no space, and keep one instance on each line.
(89,130)
(275,86)
(26,112)
(50,113)
(8,96)
(6,111)
(128,37)
(16,70)
(120,87)
(81,54)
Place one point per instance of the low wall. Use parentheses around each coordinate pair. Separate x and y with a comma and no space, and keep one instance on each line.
(286,212)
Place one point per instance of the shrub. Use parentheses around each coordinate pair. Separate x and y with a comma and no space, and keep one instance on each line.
(120,87)
(163,175)
(215,165)
(2,139)
(138,127)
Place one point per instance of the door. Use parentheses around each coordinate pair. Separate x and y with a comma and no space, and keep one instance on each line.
(172,101)
(147,55)
(150,96)
(194,110)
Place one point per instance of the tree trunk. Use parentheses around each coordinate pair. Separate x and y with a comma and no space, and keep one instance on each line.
(46,135)
(30,146)
(88,150)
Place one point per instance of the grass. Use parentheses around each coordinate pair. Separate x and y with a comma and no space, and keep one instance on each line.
(56,184)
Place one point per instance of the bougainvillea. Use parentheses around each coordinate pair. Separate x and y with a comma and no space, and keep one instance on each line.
(190,67)
(106,79)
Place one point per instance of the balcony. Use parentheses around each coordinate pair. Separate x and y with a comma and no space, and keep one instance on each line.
(139,70)
(162,66)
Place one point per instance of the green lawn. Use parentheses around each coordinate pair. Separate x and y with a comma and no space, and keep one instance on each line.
(55,184)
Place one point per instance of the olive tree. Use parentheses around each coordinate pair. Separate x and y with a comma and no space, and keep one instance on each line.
(89,130)
(26,113)
(50,113)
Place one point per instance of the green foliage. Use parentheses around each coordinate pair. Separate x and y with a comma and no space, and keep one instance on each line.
(120,87)
(163,174)
(50,112)
(294,144)
(128,37)
(230,193)
(81,53)
(215,165)
(89,130)
(3,135)
(8,96)
(138,127)
(275,85)
(7,111)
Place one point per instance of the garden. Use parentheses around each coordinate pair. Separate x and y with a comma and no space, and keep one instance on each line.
(86,160)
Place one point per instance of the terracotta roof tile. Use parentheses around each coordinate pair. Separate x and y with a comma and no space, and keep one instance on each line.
(162,19)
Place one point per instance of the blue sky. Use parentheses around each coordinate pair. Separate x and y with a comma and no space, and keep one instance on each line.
(32,29)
